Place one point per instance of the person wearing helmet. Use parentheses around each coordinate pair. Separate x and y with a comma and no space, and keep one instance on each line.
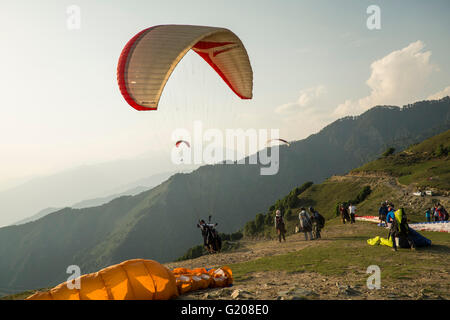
(279,225)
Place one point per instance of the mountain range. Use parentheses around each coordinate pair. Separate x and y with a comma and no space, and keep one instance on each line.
(160,223)
(65,188)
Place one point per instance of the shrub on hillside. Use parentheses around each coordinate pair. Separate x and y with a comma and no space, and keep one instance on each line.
(236,236)
(441,151)
(250,229)
(389,151)
(364,193)
(193,252)
(259,222)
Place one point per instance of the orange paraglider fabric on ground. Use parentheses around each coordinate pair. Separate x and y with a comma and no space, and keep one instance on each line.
(138,279)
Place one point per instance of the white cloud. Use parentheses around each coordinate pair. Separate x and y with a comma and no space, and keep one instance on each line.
(306,115)
(439,95)
(308,99)
(396,79)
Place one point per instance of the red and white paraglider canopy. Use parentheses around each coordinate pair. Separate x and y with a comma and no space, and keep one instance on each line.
(281,140)
(148,59)
(179,142)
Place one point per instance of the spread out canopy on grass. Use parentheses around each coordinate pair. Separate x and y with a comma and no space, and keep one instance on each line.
(138,279)
(149,58)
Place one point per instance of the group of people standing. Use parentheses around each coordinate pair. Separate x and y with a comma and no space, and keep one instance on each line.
(309,223)
(437,213)
(385,208)
(386,213)
(397,223)
(347,213)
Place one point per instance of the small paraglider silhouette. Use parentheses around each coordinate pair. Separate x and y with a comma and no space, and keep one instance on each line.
(179,143)
(282,140)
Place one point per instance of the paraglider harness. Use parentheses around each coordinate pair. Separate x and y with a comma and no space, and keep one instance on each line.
(211,238)
(400,230)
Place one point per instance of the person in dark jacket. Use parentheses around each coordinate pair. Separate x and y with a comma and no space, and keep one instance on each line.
(428,215)
(279,225)
(204,228)
(382,212)
(316,223)
(344,213)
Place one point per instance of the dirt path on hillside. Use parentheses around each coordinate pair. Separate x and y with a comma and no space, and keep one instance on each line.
(276,285)
(248,250)
(403,193)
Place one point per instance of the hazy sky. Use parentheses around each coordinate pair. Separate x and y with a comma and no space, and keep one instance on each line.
(313,62)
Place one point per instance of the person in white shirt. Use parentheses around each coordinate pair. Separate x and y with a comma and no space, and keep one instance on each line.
(352,211)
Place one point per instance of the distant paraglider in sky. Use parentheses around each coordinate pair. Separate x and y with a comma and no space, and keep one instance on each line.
(281,140)
(180,142)
(149,58)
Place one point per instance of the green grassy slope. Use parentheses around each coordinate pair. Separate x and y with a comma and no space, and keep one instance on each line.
(425,165)
(344,253)
(414,166)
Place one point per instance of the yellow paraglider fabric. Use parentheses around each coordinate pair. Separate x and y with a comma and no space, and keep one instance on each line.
(138,279)
(374,241)
(386,242)
(380,241)
(399,215)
